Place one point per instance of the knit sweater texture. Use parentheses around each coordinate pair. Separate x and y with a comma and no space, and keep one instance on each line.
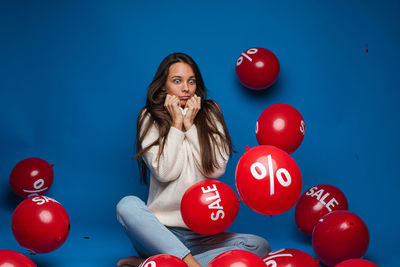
(179,168)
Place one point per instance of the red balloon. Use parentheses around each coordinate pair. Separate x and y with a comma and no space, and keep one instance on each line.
(280,125)
(268,180)
(209,207)
(315,203)
(290,258)
(340,235)
(356,263)
(40,224)
(31,176)
(163,260)
(238,258)
(257,68)
(10,258)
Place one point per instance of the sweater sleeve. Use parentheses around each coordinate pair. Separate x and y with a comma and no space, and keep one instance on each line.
(222,158)
(170,165)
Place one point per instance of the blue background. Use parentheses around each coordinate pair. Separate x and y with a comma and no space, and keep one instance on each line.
(74,74)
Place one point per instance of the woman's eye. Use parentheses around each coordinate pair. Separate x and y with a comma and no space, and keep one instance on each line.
(192,81)
(176,81)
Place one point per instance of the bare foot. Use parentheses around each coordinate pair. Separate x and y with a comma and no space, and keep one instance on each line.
(131,262)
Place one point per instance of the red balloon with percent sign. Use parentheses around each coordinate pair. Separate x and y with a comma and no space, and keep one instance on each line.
(268,180)
(280,125)
(290,257)
(209,207)
(356,263)
(315,203)
(257,68)
(238,258)
(40,224)
(163,260)
(340,235)
(31,176)
(10,258)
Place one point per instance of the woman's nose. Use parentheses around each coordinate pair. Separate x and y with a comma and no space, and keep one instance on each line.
(185,87)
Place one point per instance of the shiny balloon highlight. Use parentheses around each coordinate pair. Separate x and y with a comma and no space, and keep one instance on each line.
(163,260)
(340,235)
(40,224)
(268,180)
(240,258)
(31,176)
(316,202)
(209,207)
(281,125)
(257,68)
(10,258)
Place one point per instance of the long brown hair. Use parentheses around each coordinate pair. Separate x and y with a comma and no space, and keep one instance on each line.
(206,119)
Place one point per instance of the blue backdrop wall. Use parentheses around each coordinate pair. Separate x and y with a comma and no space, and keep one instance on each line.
(73,76)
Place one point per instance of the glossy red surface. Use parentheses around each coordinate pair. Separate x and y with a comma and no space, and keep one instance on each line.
(31,176)
(280,125)
(163,260)
(257,68)
(340,235)
(209,207)
(10,258)
(40,224)
(290,258)
(315,203)
(236,258)
(268,180)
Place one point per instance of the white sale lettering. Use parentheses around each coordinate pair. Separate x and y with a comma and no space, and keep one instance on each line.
(321,197)
(220,214)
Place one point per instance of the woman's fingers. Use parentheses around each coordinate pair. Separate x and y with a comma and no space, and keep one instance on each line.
(171,104)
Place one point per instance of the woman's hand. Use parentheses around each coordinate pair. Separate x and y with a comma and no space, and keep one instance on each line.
(173,107)
(193,106)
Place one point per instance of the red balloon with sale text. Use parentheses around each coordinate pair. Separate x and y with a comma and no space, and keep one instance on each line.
(40,224)
(31,176)
(289,257)
(340,235)
(209,207)
(238,258)
(163,260)
(281,125)
(268,180)
(356,263)
(315,203)
(257,68)
(10,258)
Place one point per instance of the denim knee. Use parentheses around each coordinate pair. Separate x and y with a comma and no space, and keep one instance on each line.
(127,206)
(256,244)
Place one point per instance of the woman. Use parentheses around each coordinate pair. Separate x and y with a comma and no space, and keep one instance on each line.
(182,139)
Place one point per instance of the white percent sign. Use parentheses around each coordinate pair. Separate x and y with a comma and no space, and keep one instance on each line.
(272,263)
(263,172)
(251,51)
(302,127)
(38,184)
(148,264)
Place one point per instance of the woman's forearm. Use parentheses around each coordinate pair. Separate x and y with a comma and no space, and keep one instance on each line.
(191,261)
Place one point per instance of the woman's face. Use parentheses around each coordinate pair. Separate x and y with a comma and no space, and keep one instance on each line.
(181,82)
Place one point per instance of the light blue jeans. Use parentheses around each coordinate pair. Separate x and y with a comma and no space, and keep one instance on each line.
(150,237)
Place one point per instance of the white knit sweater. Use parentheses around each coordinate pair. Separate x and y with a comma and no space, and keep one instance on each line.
(179,168)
